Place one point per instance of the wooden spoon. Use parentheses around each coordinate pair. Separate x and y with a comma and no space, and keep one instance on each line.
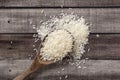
(36,64)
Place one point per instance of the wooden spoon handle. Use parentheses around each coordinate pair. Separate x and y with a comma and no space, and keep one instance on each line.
(33,67)
(23,75)
(27,72)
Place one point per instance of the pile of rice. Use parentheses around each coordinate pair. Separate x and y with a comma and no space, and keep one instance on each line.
(72,23)
(80,31)
(56,45)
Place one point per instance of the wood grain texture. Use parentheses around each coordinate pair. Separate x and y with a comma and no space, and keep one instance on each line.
(103,46)
(59,3)
(90,70)
(20,20)
(16,46)
(106,46)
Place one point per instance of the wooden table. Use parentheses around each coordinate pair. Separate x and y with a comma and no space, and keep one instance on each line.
(16,38)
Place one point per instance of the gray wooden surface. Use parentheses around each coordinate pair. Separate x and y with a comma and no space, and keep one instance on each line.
(18,21)
(90,70)
(59,3)
(104,47)
(16,41)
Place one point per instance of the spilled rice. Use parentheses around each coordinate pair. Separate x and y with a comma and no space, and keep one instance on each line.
(74,24)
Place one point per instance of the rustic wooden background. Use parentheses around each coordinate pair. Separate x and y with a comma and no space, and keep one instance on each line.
(16,41)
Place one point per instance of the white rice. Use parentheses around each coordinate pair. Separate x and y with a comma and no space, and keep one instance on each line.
(74,24)
(56,45)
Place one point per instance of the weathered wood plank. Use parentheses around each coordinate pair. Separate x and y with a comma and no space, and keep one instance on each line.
(103,46)
(106,46)
(59,3)
(90,70)
(16,46)
(18,20)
